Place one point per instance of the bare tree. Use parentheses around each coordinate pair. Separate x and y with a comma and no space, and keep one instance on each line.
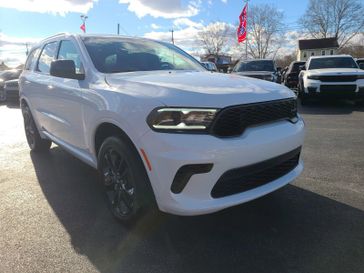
(214,38)
(265,31)
(342,19)
(285,60)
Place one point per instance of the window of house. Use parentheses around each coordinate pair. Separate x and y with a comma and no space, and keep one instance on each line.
(331,52)
(312,53)
(323,53)
(47,56)
(304,54)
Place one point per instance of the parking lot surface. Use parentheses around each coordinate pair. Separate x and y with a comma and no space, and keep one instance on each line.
(54,218)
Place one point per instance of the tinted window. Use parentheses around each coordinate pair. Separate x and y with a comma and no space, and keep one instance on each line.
(335,62)
(296,66)
(68,51)
(114,55)
(255,66)
(47,56)
(32,59)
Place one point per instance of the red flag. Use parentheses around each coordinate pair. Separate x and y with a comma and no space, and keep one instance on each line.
(83,27)
(242,25)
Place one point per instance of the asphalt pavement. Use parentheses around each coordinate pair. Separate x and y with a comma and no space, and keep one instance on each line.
(54,218)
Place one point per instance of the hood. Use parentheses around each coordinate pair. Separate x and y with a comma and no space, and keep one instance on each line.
(335,71)
(197,89)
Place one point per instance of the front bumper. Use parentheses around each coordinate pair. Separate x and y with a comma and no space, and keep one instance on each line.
(350,90)
(12,94)
(169,152)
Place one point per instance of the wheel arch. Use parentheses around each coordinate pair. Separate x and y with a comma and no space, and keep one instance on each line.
(107,129)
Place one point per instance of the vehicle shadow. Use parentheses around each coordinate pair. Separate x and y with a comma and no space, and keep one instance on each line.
(329,107)
(291,230)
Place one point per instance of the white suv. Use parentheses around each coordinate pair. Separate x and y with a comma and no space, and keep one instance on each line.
(158,126)
(331,76)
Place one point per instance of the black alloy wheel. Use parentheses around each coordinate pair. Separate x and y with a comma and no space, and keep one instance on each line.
(35,142)
(120,188)
(125,179)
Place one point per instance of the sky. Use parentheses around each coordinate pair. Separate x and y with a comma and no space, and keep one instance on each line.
(28,21)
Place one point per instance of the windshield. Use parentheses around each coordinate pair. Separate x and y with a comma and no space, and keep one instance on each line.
(334,62)
(115,55)
(254,66)
(10,75)
(296,66)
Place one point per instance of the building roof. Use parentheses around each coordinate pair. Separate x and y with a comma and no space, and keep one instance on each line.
(318,43)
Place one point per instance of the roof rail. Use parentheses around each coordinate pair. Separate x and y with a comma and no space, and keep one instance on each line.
(55,35)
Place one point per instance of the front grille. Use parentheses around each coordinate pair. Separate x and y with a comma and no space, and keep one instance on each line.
(337,88)
(256,175)
(337,78)
(232,121)
(11,85)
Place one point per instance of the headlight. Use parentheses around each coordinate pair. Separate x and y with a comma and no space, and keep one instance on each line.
(181,119)
(313,77)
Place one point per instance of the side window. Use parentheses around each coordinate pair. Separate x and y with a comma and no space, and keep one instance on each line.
(68,51)
(47,56)
(29,60)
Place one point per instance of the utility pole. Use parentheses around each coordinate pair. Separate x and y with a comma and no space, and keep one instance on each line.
(27,47)
(172,31)
(118,29)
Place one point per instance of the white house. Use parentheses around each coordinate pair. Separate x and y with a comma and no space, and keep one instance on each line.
(316,47)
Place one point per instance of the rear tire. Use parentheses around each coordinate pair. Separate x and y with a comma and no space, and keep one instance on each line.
(35,142)
(124,177)
(301,94)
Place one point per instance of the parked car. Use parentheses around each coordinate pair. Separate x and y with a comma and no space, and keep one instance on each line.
(331,76)
(209,66)
(158,126)
(360,63)
(7,75)
(12,90)
(290,78)
(260,69)
(283,73)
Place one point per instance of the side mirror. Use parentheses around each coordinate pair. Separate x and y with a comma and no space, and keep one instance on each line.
(65,69)
(361,66)
(302,67)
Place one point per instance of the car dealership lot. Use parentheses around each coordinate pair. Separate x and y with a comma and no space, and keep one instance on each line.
(53,216)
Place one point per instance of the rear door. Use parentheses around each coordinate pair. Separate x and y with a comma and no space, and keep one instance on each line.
(36,83)
(66,100)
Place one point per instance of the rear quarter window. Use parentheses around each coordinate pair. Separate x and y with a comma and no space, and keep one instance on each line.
(32,59)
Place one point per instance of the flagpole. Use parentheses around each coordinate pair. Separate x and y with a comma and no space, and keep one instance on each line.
(246,39)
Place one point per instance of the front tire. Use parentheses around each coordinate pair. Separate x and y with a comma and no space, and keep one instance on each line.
(125,179)
(35,142)
(301,94)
